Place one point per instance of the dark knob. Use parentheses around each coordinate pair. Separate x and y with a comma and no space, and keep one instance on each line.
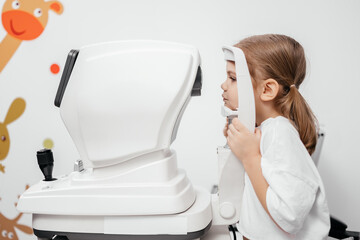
(46,163)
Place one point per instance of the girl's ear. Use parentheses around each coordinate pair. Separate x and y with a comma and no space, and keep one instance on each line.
(270,89)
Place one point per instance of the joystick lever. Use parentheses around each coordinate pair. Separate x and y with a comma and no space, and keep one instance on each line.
(46,163)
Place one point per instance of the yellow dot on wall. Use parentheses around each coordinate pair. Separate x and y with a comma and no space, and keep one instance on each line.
(48,143)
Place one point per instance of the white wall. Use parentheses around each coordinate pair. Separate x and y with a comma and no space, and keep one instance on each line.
(329,30)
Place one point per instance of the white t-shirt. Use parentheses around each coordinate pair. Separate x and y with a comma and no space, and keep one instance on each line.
(295,197)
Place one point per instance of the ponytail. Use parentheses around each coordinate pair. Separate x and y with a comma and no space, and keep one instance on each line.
(293,106)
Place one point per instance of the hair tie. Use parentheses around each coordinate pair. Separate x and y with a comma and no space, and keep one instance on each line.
(288,90)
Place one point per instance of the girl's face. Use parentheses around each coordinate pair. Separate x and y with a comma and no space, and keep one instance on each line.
(230,94)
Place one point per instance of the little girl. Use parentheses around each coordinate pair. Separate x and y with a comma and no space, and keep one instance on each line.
(284,196)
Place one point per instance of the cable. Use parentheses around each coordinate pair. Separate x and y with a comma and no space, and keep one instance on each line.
(232,229)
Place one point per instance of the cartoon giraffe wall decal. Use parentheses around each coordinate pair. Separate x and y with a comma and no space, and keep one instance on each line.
(7,226)
(23,20)
(16,109)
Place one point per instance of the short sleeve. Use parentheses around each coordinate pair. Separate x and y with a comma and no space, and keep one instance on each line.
(289,200)
(288,169)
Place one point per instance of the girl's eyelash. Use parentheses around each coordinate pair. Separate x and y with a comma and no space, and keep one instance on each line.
(232,78)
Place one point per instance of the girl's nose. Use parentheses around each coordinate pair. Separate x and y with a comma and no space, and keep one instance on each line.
(223,86)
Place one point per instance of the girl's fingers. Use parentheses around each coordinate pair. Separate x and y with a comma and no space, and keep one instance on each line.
(228,141)
(238,125)
(233,135)
(229,133)
(233,129)
(225,131)
(226,127)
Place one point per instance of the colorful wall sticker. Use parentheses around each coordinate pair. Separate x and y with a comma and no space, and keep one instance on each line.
(23,20)
(16,109)
(7,226)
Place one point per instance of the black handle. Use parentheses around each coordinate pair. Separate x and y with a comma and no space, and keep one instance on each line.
(46,163)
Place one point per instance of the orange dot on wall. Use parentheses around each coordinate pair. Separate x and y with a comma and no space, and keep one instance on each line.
(54,68)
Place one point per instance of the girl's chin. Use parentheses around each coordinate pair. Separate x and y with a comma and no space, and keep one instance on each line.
(230,107)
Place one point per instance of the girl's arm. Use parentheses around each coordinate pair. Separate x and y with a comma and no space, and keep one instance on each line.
(258,181)
(250,156)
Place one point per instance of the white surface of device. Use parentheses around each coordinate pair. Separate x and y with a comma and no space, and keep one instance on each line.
(227,203)
(117,90)
(121,106)
(122,103)
(246,100)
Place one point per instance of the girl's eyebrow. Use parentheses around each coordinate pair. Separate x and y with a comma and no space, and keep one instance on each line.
(231,72)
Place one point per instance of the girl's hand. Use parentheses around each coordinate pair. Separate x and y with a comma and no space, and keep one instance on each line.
(226,128)
(244,144)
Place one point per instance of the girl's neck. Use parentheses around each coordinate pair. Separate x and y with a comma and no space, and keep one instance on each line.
(265,114)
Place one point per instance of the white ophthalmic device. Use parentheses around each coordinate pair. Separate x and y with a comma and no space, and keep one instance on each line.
(127,184)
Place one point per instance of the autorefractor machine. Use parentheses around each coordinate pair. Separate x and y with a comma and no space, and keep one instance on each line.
(127,184)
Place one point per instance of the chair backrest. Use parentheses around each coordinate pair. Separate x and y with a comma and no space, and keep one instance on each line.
(316,154)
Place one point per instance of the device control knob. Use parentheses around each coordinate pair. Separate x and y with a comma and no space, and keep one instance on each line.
(227,210)
(46,163)
(78,166)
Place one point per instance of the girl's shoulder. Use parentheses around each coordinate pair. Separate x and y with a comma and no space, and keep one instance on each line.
(283,151)
(279,125)
(279,132)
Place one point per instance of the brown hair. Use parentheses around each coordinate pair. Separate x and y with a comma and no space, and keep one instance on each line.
(282,58)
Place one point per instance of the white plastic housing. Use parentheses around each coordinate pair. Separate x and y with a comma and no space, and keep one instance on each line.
(246,100)
(147,185)
(226,204)
(122,106)
(123,98)
(196,218)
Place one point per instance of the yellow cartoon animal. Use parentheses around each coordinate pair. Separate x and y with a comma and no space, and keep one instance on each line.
(23,20)
(15,111)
